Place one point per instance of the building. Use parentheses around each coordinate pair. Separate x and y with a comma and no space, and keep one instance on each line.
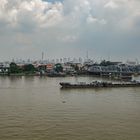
(4,68)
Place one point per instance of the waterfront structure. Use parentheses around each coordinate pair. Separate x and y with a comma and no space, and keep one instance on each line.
(111,70)
(4,68)
(67,68)
(105,68)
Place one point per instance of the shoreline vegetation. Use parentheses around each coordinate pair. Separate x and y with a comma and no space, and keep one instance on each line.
(108,69)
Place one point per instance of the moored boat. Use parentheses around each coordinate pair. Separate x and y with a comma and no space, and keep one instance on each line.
(97,84)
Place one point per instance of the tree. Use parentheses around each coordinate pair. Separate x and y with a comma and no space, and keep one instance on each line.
(29,68)
(58,68)
(105,63)
(14,68)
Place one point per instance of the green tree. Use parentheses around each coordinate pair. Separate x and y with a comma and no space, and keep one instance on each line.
(14,68)
(105,63)
(58,68)
(29,68)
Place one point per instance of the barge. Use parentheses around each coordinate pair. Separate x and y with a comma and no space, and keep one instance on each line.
(97,84)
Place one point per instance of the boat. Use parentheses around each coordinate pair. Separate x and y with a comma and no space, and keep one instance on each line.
(98,84)
(123,78)
(56,74)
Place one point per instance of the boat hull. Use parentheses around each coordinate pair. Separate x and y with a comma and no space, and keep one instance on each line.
(99,85)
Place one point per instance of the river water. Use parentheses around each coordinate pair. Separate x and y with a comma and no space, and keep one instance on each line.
(35,108)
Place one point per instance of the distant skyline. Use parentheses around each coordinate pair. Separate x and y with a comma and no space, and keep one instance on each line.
(70,28)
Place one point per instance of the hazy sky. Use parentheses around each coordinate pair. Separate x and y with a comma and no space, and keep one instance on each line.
(70,28)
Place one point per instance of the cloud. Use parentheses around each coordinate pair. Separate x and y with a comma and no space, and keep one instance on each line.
(93,20)
(69,24)
(111,4)
(68,38)
(35,14)
(30,12)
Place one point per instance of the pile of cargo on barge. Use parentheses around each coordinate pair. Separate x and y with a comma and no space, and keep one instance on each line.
(98,84)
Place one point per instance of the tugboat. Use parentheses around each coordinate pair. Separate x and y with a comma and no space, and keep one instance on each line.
(97,84)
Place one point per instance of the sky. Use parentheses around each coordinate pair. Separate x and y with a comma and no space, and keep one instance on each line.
(106,29)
